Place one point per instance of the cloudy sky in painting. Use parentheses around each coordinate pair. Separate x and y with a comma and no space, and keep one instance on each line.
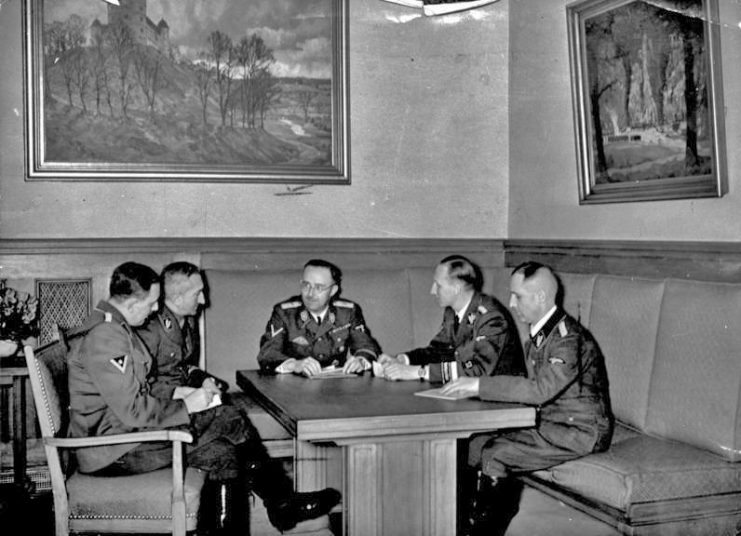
(298,31)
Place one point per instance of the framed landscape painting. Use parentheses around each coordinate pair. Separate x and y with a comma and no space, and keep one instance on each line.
(187,90)
(648,102)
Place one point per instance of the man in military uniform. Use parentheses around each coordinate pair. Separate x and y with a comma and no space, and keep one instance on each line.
(173,340)
(477,337)
(566,380)
(316,329)
(110,393)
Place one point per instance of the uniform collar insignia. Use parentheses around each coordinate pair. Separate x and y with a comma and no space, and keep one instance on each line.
(551,323)
(168,323)
(471,318)
(331,317)
(304,316)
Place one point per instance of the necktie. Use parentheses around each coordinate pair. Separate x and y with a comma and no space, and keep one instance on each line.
(456,323)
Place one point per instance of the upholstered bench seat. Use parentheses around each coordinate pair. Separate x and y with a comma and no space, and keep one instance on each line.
(639,473)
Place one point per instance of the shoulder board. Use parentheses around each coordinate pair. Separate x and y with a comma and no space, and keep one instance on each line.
(290,305)
(483,310)
(562,328)
(107,317)
(343,303)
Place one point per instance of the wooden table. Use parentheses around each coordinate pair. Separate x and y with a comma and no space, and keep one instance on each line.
(398,452)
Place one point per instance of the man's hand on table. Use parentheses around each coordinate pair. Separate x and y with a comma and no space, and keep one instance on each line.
(355,365)
(306,367)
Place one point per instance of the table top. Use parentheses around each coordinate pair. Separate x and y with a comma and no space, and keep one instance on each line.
(345,408)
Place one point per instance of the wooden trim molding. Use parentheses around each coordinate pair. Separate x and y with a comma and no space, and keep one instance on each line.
(706,261)
(44,258)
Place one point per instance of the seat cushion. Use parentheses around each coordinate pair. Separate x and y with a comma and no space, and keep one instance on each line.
(144,496)
(641,469)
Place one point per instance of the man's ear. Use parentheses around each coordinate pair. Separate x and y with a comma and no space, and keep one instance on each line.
(335,288)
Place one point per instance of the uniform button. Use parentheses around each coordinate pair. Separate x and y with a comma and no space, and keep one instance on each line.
(571,419)
(172,354)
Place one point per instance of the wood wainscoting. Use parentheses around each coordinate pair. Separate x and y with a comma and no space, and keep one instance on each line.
(704,261)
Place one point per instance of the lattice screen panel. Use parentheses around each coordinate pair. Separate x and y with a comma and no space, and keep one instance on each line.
(62,302)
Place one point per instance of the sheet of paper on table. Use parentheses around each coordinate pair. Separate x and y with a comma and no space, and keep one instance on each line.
(332,372)
(436,393)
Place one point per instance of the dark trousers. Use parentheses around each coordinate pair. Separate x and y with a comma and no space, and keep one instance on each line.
(225,443)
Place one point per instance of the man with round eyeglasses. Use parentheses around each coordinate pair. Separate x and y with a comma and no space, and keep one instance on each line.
(317,330)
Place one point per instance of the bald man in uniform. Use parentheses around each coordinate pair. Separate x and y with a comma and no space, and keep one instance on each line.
(566,380)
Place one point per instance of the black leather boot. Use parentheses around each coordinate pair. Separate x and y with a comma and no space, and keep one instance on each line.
(286,508)
(224,508)
(496,502)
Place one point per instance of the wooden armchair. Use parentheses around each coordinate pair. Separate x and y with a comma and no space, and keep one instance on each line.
(161,501)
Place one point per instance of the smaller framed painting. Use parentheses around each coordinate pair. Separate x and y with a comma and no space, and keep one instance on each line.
(648,103)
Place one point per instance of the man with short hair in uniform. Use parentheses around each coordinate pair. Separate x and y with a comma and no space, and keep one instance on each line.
(566,380)
(477,336)
(316,329)
(110,393)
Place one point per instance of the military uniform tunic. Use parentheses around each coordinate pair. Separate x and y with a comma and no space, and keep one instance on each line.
(108,388)
(110,393)
(567,380)
(485,343)
(175,350)
(292,332)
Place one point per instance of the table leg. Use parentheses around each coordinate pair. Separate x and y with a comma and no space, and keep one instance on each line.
(401,488)
(317,466)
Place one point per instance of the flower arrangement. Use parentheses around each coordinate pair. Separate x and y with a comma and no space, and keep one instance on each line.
(18,314)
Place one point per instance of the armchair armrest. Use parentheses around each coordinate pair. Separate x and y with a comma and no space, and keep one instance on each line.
(134,437)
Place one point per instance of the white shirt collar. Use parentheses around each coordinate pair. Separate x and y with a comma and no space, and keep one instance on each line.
(319,317)
(460,313)
(535,328)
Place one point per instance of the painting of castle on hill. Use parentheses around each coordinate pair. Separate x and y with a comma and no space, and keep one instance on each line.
(187,90)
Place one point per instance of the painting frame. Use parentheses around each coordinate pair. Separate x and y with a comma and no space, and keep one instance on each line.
(332,141)
(649,172)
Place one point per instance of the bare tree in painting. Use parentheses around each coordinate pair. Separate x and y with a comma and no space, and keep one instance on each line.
(221,51)
(147,68)
(598,52)
(101,82)
(204,78)
(255,60)
(268,92)
(77,63)
(305,98)
(122,45)
(64,41)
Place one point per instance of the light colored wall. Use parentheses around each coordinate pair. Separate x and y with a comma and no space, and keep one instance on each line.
(544,199)
(429,140)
